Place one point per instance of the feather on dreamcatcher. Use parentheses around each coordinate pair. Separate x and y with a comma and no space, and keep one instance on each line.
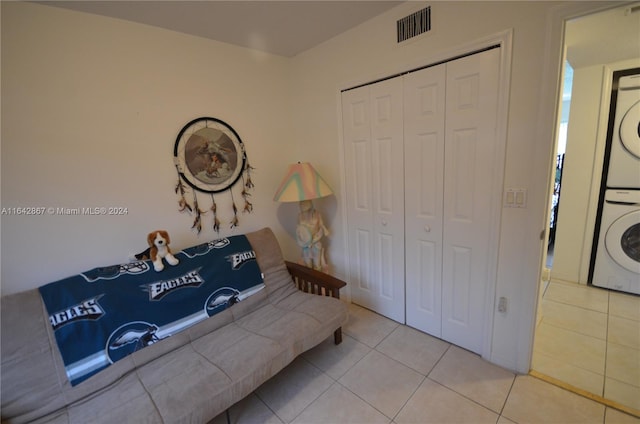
(210,158)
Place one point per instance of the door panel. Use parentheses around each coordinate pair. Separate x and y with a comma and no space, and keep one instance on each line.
(461,174)
(362,175)
(384,175)
(428,300)
(424,109)
(460,284)
(470,161)
(363,279)
(386,266)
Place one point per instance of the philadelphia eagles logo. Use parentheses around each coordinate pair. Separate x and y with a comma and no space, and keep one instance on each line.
(204,248)
(226,297)
(130,338)
(221,299)
(114,271)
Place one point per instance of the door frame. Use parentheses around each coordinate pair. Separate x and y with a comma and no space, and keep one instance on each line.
(504,40)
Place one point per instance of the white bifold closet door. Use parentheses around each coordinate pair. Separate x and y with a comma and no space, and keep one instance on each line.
(372,119)
(420,157)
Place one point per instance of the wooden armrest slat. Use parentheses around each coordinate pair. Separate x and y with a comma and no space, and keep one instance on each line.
(312,281)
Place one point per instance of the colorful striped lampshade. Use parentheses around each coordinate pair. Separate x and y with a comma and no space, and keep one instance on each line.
(302,182)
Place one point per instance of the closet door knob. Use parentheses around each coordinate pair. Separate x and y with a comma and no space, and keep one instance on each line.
(384,222)
(427,229)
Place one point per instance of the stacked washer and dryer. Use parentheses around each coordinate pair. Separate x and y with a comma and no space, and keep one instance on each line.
(616,260)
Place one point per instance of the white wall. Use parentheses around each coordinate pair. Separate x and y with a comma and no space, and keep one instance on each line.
(91,107)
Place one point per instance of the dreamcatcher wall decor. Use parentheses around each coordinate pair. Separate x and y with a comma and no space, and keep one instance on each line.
(210,158)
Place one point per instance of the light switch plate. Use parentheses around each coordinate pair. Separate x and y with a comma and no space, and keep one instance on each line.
(515,198)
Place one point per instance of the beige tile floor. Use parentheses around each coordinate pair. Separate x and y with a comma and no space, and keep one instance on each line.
(590,338)
(384,372)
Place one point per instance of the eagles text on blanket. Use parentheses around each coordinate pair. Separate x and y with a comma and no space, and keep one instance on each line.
(237,259)
(160,288)
(87,309)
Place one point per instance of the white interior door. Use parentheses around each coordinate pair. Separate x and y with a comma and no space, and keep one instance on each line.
(424,117)
(372,135)
(470,195)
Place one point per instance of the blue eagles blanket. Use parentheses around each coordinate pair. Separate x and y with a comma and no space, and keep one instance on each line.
(103,315)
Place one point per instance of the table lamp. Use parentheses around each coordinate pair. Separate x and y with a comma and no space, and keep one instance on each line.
(302,184)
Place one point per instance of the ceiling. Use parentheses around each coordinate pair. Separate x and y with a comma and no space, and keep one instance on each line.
(285,28)
(604,37)
(290,27)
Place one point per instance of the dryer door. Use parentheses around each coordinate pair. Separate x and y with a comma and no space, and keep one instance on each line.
(630,130)
(623,241)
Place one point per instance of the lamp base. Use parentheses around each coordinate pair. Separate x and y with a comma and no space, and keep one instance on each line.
(309,234)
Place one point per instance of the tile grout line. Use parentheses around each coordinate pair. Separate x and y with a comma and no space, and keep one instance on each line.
(359,360)
(322,372)
(360,397)
(567,363)
(499,414)
(506,399)
(316,398)
(551,324)
(372,349)
(337,381)
(255,392)
(375,348)
(439,359)
(409,366)
(464,396)
(409,398)
(579,287)
(585,308)
(424,377)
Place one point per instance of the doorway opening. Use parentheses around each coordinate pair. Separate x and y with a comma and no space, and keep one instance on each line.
(561,147)
(574,317)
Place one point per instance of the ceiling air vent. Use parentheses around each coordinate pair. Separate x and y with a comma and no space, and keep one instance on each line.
(414,24)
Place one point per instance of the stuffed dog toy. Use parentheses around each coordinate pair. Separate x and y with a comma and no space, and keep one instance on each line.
(159,248)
